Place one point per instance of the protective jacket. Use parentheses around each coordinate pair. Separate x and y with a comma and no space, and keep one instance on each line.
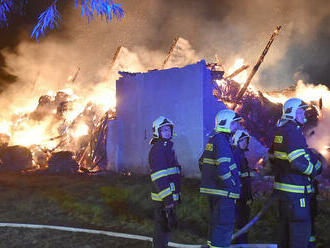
(245,173)
(165,172)
(220,174)
(291,160)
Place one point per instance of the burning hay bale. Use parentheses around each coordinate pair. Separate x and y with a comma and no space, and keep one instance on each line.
(62,163)
(15,158)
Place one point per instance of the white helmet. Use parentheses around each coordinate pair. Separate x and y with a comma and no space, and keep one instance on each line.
(160,122)
(224,118)
(239,135)
(290,107)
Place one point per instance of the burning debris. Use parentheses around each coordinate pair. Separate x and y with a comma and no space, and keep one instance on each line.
(56,133)
(63,122)
(262,110)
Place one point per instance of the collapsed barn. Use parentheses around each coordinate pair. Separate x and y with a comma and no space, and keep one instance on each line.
(199,94)
(92,140)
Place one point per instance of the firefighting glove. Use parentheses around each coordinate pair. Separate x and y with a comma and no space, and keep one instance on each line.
(172,221)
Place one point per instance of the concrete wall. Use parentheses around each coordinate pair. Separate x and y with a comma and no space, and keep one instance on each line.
(184,95)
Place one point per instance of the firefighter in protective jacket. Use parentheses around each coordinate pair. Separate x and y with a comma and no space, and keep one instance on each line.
(241,141)
(220,179)
(293,171)
(165,177)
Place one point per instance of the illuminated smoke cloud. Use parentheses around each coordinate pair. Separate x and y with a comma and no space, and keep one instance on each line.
(233,30)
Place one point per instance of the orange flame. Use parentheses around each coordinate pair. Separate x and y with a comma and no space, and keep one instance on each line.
(241,77)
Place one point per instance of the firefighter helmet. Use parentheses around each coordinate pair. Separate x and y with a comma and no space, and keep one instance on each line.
(160,122)
(290,108)
(224,118)
(239,135)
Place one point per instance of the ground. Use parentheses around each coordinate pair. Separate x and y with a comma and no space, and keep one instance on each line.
(112,202)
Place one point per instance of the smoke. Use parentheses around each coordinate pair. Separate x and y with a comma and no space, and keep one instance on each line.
(319,137)
(244,32)
(181,54)
(231,29)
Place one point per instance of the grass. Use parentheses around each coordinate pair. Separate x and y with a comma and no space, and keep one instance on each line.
(114,203)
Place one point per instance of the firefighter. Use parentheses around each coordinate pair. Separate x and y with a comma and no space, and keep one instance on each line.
(165,177)
(293,170)
(220,179)
(241,141)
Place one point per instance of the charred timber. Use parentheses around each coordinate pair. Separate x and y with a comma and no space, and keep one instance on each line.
(175,41)
(73,79)
(115,57)
(238,71)
(260,60)
(113,61)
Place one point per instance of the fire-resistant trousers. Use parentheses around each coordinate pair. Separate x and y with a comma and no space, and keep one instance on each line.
(161,230)
(222,219)
(242,218)
(295,222)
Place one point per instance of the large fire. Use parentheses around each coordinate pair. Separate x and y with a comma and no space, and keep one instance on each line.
(59,121)
(64,120)
(241,77)
(315,95)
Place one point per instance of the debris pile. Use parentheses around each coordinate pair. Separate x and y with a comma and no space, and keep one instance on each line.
(63,133)
(74,137)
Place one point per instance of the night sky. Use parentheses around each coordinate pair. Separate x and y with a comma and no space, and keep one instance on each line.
(228,28)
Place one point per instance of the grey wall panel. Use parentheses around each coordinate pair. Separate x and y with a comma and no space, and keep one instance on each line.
(184,95)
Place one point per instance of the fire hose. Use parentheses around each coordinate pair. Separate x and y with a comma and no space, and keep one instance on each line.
(145,238)
(268,204)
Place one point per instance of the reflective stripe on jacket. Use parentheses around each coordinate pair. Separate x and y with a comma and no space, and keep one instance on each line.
(291,160)
(220,174)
